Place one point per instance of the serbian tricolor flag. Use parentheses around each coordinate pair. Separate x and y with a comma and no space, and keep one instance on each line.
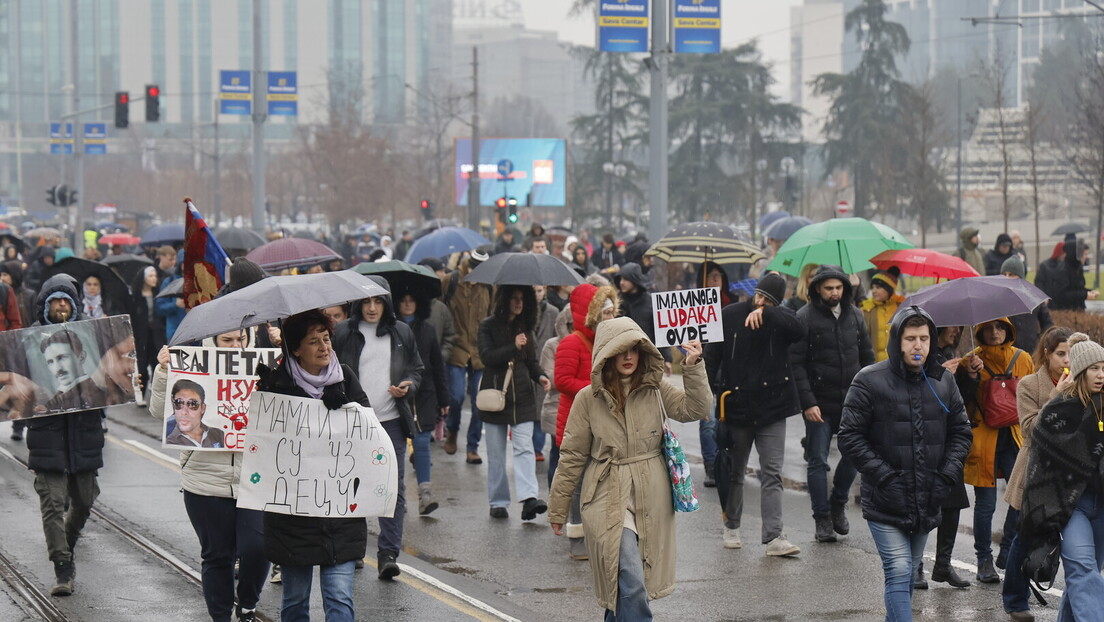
(205,261)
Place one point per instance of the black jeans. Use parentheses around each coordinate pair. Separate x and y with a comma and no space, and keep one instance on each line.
(226,533)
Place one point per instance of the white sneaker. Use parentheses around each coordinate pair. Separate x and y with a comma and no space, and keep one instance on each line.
(781,547)
(732,538)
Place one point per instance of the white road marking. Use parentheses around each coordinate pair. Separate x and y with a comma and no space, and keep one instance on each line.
(444,587)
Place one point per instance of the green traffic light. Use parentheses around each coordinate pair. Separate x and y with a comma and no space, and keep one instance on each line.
(513,218)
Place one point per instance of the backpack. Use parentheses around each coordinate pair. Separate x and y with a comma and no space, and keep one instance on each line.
(998,398)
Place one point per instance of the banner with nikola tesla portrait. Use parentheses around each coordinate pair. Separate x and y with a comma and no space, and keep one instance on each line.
(67,367)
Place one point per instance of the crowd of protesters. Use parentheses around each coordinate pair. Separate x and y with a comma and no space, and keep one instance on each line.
(584,380)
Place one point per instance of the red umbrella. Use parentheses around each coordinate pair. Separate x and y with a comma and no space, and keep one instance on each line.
(924,262)
(120,239)
(290,252)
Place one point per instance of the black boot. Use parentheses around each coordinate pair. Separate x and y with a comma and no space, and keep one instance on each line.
(918,581)
(710,475)
(824,531)
(839,518)
(942,571)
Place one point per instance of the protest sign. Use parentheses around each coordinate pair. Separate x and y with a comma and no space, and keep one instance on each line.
(207,396)
(67,367)
(306,460)
(687,314)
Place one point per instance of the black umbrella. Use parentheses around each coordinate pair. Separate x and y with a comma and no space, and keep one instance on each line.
(240,239)
(524,269)
(127,265)
(7,238)
(402,277)
(175,289)
(116,294)
(272,299)
(160,235)
(1070,227)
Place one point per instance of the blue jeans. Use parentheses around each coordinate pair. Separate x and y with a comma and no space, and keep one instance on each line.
(553,462)
(707,435)
(337,592)
(901,554)
(525,465)
(818,441)
(422,461)
(456,377)
(632,595)
(1015,592)
(985,502)
(1083,558)
(391,529)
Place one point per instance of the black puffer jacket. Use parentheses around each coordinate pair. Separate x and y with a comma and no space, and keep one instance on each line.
(313,540)
(831,351)
(907,434)
(433,394)
(994,259)
(755,365)
(497,349)
(71,442)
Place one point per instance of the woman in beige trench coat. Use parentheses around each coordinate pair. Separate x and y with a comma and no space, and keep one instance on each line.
(617,423)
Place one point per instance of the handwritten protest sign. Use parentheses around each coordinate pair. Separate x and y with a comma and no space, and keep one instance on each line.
(66,367)
(687,314)
(207,396)
(306,460)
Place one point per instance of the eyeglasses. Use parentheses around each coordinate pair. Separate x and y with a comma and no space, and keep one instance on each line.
(191,404)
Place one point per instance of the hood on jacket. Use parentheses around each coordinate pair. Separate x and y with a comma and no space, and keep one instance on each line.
(822,274)
(579,303)
(1010,339)
(15,269)
(1003,238)
(932,366)
(620,335)
(703,270)
(1072,250)
(388,318)
(54,287)
(606,293)
(966,235)
(635,274)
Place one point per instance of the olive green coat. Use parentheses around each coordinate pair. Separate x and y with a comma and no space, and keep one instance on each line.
(626,458)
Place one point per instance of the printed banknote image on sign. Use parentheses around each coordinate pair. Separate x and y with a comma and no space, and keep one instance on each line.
(304,459)
(687,314)
(66,367)
(207,396)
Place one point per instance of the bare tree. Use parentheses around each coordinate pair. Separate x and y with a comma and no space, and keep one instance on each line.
(996,78)
(1033,128)
(924,174)
(1085,140)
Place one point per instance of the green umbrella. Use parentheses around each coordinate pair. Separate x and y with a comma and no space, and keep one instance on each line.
(845,242)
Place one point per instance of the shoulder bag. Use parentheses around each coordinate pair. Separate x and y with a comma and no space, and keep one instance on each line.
(998,398)
(494,400)
(682,486)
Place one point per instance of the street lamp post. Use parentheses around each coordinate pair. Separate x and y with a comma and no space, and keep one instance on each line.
(958,190)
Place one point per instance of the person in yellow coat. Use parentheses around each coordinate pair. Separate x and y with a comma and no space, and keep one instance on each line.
(879,309)
(994,450)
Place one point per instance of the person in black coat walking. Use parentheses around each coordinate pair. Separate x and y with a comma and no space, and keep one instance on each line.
(996,256)
(756,393)
(834,347)
(904,427)
(636,303)
(299,543)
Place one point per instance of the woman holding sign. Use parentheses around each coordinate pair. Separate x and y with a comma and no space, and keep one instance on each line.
(299,543)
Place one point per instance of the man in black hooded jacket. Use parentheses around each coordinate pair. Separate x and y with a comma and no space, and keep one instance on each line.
(905,429)
(371,336)
(834,347)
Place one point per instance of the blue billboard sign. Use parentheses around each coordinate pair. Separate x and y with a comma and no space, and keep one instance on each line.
(61,143)
(537,172)
(235,92)
(697,26)
(95,138)
(283,93)
(623,25)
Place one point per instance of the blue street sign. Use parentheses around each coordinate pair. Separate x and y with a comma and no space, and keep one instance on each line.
(61,143)
(235,92)
(95,138)
(623,25)
(283,93)
(697,26)
(505,168)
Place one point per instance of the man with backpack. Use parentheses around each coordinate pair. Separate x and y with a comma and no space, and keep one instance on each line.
(996,366)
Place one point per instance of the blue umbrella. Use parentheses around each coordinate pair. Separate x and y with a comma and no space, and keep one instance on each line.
(770,218)
(783,228)
(168,233)
(444,242)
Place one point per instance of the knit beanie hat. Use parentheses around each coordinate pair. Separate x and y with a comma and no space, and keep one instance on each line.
(773,287)
(243,273)
(885,280)
(1083,353)
(1015,265)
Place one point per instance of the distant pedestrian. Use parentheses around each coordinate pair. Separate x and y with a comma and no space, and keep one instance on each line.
(1066,279)
(636,302)
(969,251)
(905,429)
(614,435)
(834,347)
(878,310)
(607,258)
(1028,325)
(1001,251)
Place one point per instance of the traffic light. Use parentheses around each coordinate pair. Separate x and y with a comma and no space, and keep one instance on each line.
(153,102)
(122,109)
(427,209)
(70,195)
(512,215)
(500,209)
(52,195)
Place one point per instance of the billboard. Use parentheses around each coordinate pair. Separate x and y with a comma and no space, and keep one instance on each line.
(537,171)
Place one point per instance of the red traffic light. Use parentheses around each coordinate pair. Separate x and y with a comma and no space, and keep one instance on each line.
(124,98)
(500,202)
(153,91)
(425,204)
